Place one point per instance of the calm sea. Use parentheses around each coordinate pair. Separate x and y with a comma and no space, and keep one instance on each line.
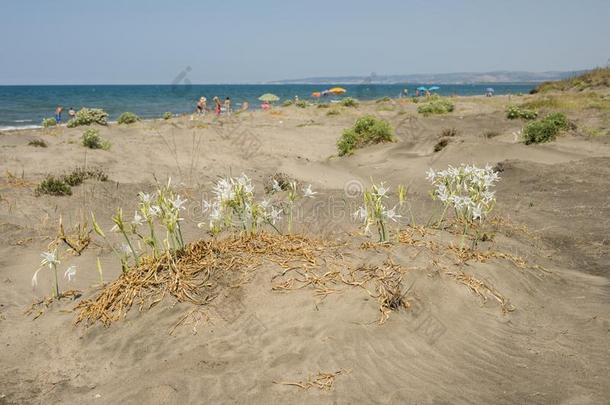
(26,106)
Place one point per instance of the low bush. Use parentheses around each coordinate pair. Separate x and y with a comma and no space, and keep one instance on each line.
(38,143)
(93,140)
(383,99)
(88,116)
(167,116)
(333,111)
(349,102)
(287,103)
(49,122)
(436,105)
(127,118)
(367,130)
(301,104)
(53,186)
(323,105)
(546,129)
(277,180)
(516,112)
(449,132)
(62,185)
(440,145)
(79,175)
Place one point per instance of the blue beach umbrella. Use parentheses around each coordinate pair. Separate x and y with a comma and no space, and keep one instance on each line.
(422,88)
(434,88)
(489,90)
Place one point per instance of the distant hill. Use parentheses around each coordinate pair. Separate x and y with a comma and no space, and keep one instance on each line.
(440,78)
(593,79)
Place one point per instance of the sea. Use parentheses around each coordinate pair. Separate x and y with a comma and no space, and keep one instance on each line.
(27,106)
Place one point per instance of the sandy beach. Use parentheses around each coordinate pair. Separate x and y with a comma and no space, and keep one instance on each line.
(524,320)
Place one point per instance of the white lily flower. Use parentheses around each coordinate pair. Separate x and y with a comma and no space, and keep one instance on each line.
(154,211)
(70,273)
(391,214)
(178,203)
(35,277)
(276,186)
(145,197)
(308,192)
(382,190)
(50,259)
(275,215)
(137,219)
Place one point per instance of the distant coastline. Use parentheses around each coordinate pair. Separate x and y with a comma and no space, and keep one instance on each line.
(460,78)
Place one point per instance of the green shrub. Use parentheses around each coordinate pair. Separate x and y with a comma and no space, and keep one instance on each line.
(436,105)
(38,143)
(287,103)
(333,111)
(367,130)
(301,104)
(323,105)
(93,140)
(515,112)
(53,186)
(383,99)
(546,129)
(127,118)
(349,102)
(49,122)
(167,116)
(88,116)
(559,120)
(63,184)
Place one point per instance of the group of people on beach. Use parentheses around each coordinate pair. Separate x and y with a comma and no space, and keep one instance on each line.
(59,110)
(219,108)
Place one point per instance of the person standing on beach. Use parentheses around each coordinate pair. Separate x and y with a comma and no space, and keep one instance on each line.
(228,105)
(217,106)
(201,106)
(58,112)
(72,113)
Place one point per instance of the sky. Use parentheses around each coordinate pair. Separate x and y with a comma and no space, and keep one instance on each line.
(250,41)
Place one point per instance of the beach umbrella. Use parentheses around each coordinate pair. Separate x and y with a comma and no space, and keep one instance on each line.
(489,90)
(269,97)
(422,88)
(337,90)
(434,88)
(316,94)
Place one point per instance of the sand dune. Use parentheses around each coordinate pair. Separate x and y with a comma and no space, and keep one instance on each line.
(548,343)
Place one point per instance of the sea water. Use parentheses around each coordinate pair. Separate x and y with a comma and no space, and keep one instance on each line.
(26,106)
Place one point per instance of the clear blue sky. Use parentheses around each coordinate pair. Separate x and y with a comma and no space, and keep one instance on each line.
(236,41)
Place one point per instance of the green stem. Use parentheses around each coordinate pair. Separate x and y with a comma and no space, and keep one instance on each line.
(56,282)
(274,227)
(180,235)
(153,238)
(442,218)
(135,256)
(464,235)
